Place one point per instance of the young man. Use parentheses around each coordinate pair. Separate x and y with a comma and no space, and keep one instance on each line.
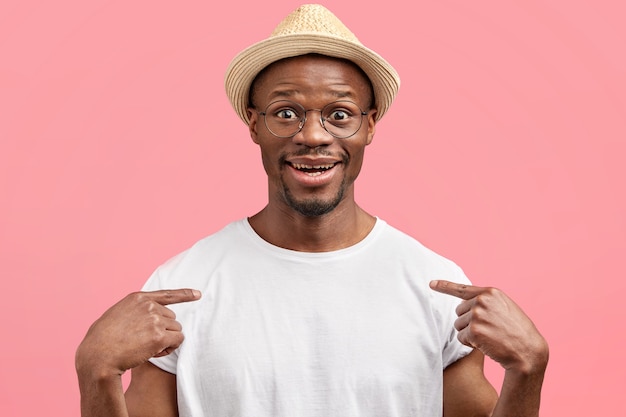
(311,307)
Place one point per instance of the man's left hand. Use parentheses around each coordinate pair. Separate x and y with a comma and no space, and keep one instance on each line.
(488,320)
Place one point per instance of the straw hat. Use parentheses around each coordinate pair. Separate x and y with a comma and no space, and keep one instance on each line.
(309,29)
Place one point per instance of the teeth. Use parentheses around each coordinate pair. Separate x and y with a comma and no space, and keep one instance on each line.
(303,166)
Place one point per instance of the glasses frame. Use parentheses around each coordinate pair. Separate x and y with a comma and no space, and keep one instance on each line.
(303,118)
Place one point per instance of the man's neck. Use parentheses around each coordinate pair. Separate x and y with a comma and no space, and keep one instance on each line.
(345,226)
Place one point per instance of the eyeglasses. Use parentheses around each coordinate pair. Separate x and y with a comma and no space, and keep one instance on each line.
(286,118)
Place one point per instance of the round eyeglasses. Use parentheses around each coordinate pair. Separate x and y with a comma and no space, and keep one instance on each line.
(286,118)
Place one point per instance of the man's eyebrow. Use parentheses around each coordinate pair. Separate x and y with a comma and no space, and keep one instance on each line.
(287,93)
(341,93)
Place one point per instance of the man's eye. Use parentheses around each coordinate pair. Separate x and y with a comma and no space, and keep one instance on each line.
(286,114)
(338,115)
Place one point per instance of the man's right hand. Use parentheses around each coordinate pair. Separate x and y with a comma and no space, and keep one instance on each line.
(134,330)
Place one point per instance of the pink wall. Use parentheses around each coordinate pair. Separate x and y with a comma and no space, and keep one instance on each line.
(504,151)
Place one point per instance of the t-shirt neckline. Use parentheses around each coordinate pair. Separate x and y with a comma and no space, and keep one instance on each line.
(379,225)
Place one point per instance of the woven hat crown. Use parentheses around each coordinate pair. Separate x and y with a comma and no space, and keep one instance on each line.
(310,29)
(313,18)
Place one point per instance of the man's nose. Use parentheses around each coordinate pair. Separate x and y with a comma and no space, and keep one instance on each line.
(313,133)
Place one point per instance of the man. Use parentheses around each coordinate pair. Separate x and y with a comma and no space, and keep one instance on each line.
(311,307)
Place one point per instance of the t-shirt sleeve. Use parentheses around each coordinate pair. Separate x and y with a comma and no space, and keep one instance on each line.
(156,282)
(453,350)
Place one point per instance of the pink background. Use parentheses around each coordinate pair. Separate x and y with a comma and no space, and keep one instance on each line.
(504,151)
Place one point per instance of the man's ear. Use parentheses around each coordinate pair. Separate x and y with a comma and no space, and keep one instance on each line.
(371,125)
(253,116)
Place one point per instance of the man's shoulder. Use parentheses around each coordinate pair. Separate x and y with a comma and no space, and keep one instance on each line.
(231,232)
(412,249)
(191,266)
(210,245)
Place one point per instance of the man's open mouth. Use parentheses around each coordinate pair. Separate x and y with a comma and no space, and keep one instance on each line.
(312,170)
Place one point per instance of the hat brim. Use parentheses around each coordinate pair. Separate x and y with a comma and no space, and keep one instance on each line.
(252,60)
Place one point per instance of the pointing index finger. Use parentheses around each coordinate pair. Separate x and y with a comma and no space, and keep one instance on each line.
(182,295)
(463,291)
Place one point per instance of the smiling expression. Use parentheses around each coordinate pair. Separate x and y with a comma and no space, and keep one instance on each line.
(311,172)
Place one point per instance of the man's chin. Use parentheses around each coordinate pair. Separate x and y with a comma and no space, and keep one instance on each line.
(314,207)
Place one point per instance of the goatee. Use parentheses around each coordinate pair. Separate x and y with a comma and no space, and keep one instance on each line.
(314,207)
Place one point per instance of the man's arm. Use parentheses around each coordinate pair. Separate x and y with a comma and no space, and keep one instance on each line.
(151,393)
(466,391)
(489,321)
(134,330)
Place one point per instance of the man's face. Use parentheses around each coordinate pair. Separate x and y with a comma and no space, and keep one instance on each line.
(312,172)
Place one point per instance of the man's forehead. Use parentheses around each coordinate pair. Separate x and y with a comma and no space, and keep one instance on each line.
(311,63)
(295,76)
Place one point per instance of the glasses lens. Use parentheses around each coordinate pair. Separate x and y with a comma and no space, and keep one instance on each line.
(342,119)
(284,118)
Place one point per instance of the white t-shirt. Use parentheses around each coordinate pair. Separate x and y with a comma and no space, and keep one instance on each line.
(281,333)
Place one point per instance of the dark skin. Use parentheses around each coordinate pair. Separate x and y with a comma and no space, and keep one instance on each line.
(489,321)
(313,87)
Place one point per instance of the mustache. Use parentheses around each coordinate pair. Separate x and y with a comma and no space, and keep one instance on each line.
(312,151)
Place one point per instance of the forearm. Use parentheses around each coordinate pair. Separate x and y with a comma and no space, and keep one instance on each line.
(520,395)
(101,395)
